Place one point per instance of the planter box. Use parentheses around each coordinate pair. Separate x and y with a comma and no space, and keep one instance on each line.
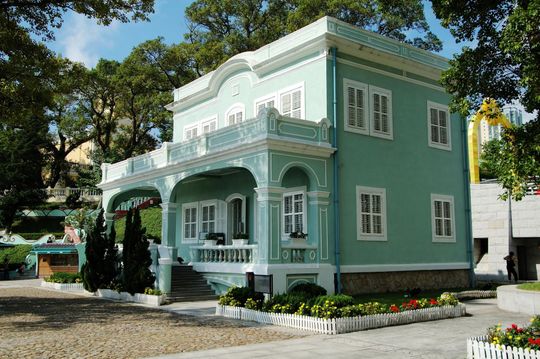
(341,325)
(68,287)
(210,242)
(240,242)
(153,300)
(479,348)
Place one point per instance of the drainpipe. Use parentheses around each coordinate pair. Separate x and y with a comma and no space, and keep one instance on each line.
(468,227)
(336,177)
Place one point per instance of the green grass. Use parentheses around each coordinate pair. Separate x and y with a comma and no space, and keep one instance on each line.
(150,218)
(530,286)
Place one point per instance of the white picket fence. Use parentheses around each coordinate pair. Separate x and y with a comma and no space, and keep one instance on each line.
(341,325)
(475,294)
(479,348)
(70,287)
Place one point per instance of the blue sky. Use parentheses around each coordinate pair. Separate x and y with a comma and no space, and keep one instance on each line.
(81,39)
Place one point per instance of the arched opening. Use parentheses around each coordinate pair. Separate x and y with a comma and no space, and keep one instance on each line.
(215,203)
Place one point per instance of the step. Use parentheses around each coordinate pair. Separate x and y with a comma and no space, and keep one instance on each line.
(191,299)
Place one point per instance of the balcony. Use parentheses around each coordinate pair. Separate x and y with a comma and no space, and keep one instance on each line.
(267,128)
(224,254)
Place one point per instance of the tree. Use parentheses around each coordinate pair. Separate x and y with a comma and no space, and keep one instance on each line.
(20,167)
(136,257)
(69,127)
(504,65)
(101,266)
(219,29)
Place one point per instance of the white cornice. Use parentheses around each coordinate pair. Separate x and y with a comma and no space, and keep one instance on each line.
(318,36)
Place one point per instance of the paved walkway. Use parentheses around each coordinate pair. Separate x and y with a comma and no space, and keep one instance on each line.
(436,339)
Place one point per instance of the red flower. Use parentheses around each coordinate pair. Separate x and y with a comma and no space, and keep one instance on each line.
(394,308)
(514,326)
(433,301)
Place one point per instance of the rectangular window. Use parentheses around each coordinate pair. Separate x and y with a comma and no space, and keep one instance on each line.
(439,126)
(191,132)
(264,103)
(190,232)
(367,109)
(442,218)
(291,103)
(209,125)
(371,213)
(208,217)
(293,212)
(235,117)
(356,107)
(381,112)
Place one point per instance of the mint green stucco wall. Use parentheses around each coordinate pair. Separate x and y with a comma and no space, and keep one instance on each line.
(408,169)
(219,188)
(309,72)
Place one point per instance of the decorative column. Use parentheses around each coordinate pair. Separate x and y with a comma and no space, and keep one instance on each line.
(318,225)
(167,249)
(109,221)
(268,223)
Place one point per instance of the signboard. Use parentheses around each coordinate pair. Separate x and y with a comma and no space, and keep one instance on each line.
(260,283)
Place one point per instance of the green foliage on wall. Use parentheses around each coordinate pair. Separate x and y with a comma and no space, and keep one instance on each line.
(150,219)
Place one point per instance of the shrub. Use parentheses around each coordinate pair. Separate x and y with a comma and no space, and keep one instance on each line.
(339,300)
(238,297)
(136,275)
(371,308)
(447,299)
(62,277)
(291,301)
(326,311)
(152,291)
(16,254)
(350,311)
(312,290)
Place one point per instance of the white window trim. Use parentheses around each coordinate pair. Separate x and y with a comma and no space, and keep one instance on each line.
(292,192)
(441,107)
(289,89)
(371,237)
(380,91)
(184,207)
(208,121)
(360,86)
(369,90)
(445,198)
(264,99)
(189,128)
(235,108)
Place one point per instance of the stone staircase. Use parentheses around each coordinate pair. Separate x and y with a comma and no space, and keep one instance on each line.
(188,285)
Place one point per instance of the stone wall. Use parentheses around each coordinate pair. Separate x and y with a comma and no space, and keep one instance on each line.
(358,283)
(490,220)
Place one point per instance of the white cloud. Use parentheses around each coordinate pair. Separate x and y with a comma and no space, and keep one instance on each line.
(83,40)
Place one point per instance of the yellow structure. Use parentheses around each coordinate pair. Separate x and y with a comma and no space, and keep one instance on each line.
(489,111)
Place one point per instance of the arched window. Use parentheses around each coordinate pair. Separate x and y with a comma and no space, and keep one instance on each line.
(236,114)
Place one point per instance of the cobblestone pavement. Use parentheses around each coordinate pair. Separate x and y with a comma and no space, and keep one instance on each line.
(37,323)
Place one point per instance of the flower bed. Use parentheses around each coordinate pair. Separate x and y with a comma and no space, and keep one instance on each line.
(341,325)
(513,342)
(309,308)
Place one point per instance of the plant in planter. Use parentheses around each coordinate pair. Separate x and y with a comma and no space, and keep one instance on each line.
(298,237)
(240,239)
(211,239)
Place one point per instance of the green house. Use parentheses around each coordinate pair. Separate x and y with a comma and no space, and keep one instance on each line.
(331,131)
